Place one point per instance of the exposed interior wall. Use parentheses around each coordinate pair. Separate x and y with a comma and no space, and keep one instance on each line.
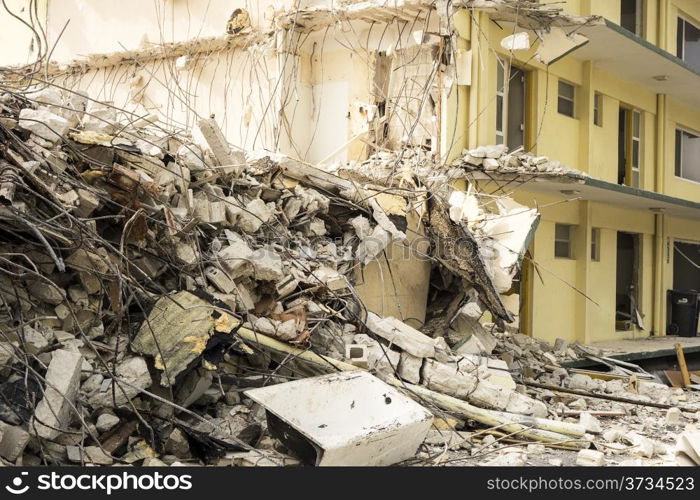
(234,86)
(101,26)
(17,43)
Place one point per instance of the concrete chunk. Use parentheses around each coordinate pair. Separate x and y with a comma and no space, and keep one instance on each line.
(255,214)
(590,458)
(53,413)
(106,421)
(590,423)
(267,265)
(409,367)
(235,258)
(397,332)
(134,372)
(44,123)
(177,332)
(14,440)
(380,359)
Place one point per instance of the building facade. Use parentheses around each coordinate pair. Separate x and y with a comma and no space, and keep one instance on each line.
(325,82)
(623,110)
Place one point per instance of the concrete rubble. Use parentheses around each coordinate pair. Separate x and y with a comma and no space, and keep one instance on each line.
(180,289)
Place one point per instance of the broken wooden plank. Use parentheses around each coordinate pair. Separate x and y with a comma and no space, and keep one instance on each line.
(682,365)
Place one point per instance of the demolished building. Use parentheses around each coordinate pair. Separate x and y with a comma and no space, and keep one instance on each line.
(157,281)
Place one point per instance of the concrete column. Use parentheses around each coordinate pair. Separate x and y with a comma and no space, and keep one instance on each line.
(660,146)
(662,29)
(582,252)
(586,104)
(659,320)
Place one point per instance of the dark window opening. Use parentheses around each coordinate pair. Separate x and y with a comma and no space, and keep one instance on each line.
(688,43)
(631,16)
(627,287)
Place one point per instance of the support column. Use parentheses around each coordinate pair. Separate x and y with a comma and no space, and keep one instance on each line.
(582,252)
(659,323)
(586,104)
(662,29)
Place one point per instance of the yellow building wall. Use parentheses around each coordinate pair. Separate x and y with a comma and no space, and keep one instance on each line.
(679,116)
(689,9)
(554,309)
(565,139)
(677,229)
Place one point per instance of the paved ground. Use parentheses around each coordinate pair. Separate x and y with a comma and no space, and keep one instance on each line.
(646,344)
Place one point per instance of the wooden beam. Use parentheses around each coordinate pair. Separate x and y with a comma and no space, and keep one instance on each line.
(682,365)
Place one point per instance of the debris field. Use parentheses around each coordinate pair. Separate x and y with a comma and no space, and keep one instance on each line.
(166,299)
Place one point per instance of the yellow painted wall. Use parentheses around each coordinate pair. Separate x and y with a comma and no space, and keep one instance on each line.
(555,295)
(679,116)
(689,9)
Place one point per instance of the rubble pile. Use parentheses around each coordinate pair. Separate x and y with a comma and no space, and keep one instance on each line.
(166,299)
(499,159)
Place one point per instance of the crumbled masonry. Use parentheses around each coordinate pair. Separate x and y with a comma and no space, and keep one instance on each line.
(154,289)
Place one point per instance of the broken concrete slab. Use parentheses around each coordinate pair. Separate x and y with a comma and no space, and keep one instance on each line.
(399,333)
(590,423)
(347,418)
(687,450)
(175,333)
(13,442)
(409,367)
(54,412)
(44,123)
(132,376)
(254,215)
(379,358)
(267,265)
(590,458)
(106,421)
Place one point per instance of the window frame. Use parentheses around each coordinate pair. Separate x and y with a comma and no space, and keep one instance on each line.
(571,99)
(597,109)
(595,244)
(636,139)
(639,19)
(680,35)
(678,174)
(569,241)
(501,97)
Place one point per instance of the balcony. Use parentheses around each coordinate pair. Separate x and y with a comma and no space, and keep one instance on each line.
(633,59)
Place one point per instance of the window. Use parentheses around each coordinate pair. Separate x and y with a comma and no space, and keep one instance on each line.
(563,235)
(500,102)
(636,147)
(631,16)
(595,244)
(629,147)
(687,155)
(688,43)
(510,106)
(565,104)
(598,109)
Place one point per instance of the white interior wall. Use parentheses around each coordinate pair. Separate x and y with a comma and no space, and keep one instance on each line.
(237,87)
(17,44)
(103,26)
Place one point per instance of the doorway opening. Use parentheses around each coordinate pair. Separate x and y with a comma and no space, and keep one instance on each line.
(629,142)
(511,96)
(632,16)
(627,282)
(686,266)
